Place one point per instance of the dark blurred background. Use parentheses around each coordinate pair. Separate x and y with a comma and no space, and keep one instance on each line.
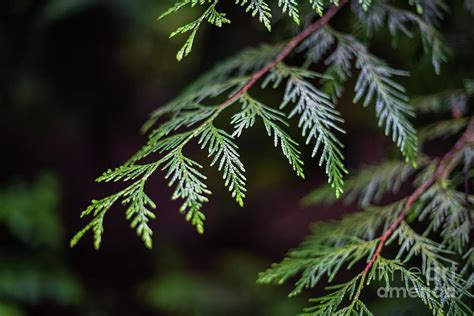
(78,78)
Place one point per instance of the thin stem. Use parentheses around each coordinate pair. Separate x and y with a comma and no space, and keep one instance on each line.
(441,170)
(286,50)
(359,290)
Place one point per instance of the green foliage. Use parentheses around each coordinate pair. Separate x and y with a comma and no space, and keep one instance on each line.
(329,304)
(317,120)
(195,115)
(390,103)
(384,268)
(33,269)
(399,20)
(9,310)
(224,151)
(428,229)
(374,83)
(251,109)
(19,205)
(210,15)
(372,14)
(433,264)
(291,8)
(134,196)
(317,257)
(259,8)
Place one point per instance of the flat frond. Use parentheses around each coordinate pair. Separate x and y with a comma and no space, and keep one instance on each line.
(375,83)
(330,304)
(317,45)
(319,5)
(138,212)
(290,7)
(184,173)
(449,212)
(223,151)
(384,269)
(339,69)
(320,255)
(318,121)
(260,8)
(398,20)
(436,265)
(210,15)
(160,140)
(272,120)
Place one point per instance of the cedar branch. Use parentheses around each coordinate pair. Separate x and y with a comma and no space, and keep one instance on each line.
(443,167)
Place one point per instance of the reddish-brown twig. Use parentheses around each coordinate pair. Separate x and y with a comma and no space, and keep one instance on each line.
(440,172)
(286,50)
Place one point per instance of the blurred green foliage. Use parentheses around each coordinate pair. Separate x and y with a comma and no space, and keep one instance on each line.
(227,288)
(33,268)
(30,212)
